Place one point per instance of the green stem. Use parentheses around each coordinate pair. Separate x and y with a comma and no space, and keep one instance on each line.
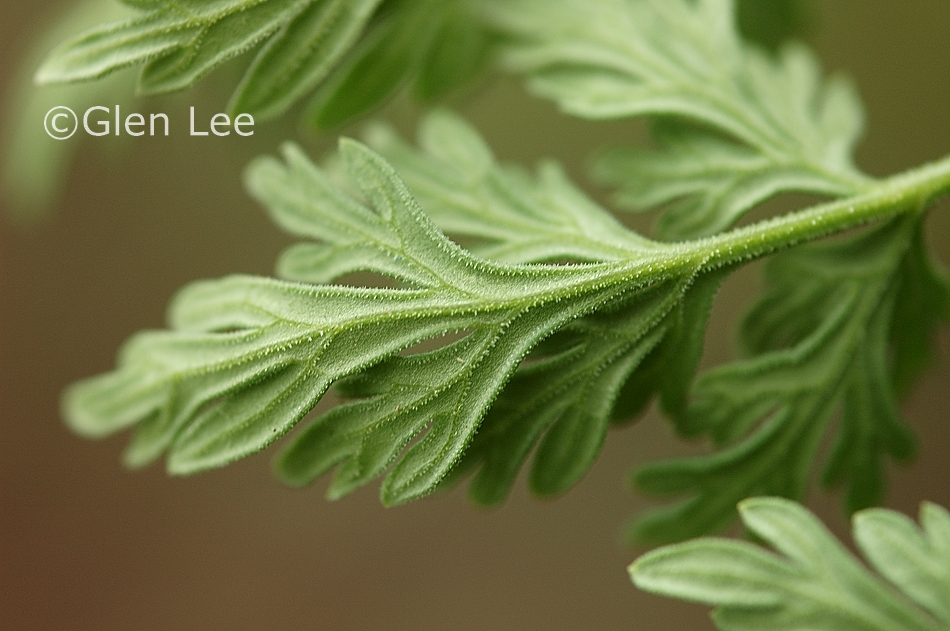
(908,192)
(897,195)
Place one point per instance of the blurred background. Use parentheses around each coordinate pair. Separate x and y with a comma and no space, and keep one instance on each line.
(85,544)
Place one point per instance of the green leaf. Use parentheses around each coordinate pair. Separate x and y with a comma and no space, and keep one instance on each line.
(821,340)
(501,213)
(296,59)
(704,181)
(812,582)
(577,385)
(373,72)
(563,398)
(434,45)
(461,48)
(924,299)
(748,126)
(915,560)
(178,41)
(636,57)
(247,358)
(368,46)
(669,369)
(770,23)
(218,36)
(563,402)
(471,196)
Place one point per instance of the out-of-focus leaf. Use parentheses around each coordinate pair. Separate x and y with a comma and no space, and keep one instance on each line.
(811,581)
(33,166)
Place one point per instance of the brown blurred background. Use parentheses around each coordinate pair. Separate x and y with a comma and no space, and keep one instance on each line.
(85,544)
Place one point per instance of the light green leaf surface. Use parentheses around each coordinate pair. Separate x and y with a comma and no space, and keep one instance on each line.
(502,213)
(248,357)
(178,41)
(703,182)
(914,559)
(812,582)
(636,57)
(748,126)
(563,399)
(561,349)
(557,314)
(845,327)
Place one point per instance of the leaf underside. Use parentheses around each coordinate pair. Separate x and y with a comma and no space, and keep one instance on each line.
(247,358)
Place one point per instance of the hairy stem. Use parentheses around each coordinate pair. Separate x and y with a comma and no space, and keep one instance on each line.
(907,192)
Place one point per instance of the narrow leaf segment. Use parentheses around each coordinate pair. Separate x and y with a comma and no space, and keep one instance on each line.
(812,581)
(734,125)
(821,341)
(360,51)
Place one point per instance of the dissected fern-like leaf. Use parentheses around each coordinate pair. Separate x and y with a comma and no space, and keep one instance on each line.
(548,354)
(368,46)
(565,398)
(561,402)
(813,582)
(179,42)
(563,321)
(248,357)
(822,339)
(748,126)
(735,126)
(502,213)
(704,181)
(434,46)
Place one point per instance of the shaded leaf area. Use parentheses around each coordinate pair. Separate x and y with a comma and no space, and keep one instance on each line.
(811,581)
(433,47)
(833,337)
(246,358)
(739,124)
(771,23)
(591,374)
(369,46)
